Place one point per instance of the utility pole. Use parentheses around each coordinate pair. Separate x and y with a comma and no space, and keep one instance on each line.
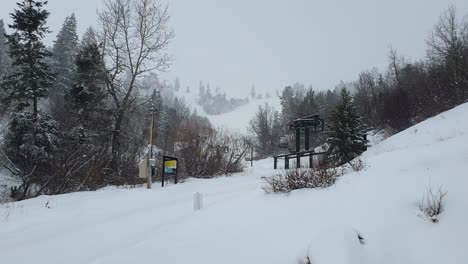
(151,158)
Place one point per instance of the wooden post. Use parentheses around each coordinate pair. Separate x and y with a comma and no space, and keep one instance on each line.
(275,162)
(286,162)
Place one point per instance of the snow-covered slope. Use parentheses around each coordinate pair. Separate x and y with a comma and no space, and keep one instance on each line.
(238,120)
(235,121)
(241,224)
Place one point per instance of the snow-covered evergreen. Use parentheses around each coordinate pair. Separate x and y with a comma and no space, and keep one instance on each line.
(5,60)
(347,137)
(30,79)
(86,99)
(64,54)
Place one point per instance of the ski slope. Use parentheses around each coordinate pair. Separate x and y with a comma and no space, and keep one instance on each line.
(239,223)
(236,121)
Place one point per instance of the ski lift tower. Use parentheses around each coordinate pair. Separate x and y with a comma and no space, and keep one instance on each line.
(305,125)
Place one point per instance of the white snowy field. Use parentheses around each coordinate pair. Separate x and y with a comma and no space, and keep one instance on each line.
(239,223)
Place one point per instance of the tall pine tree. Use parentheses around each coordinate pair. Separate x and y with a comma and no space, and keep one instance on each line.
(347,139)
(86,100)
(64,53)
(32,137)
(31,78)
(5,61)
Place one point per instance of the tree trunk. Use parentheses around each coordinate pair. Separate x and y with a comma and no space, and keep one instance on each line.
(116,141)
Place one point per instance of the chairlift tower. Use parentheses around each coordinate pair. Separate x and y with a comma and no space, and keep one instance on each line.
(307,125)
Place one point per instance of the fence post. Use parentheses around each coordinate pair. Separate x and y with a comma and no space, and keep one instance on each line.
(197,201)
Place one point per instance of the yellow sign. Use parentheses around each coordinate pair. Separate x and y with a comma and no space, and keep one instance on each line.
(170,164)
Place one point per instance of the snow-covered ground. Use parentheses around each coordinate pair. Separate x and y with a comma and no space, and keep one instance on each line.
(239,223)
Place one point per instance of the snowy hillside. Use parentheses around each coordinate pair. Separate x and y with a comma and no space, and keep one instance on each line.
(235,121)
(239,223)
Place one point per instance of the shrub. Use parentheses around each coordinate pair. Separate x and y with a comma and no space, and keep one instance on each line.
(357,164)
(290,180)
(432,203)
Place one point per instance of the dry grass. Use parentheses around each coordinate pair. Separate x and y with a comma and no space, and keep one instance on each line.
(432,203)
(294,179)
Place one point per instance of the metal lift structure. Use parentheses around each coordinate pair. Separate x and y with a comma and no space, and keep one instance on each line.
(311,124)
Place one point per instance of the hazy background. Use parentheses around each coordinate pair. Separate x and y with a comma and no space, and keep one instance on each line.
(271,44)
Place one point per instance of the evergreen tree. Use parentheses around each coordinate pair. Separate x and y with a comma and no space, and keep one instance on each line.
(32,137)
(347,139)
(287,105)
(252,92)
(30,143)
(5,61)
(89,38)
(308,105)
(64,54)
(31,78)
(177,84)
(87,98)
(201,94)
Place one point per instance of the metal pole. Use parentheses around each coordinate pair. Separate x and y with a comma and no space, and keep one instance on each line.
(311,160)
(149,182)
(298,139)
(307,138)
(163,171)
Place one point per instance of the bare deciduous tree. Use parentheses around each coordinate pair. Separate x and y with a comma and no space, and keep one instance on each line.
(134,35)
(447,44)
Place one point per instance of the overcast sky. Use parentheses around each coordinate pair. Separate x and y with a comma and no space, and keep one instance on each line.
(270,44)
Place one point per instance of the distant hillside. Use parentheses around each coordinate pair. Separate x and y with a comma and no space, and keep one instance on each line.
(223,112)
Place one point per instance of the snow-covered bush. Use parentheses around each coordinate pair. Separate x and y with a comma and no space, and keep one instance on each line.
(348,137)
(28,150)
(294,179)
(432,203)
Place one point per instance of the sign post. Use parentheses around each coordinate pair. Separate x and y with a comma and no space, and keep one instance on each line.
(169,167)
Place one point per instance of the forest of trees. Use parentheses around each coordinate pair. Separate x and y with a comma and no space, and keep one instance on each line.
(406,93)
(77,114)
